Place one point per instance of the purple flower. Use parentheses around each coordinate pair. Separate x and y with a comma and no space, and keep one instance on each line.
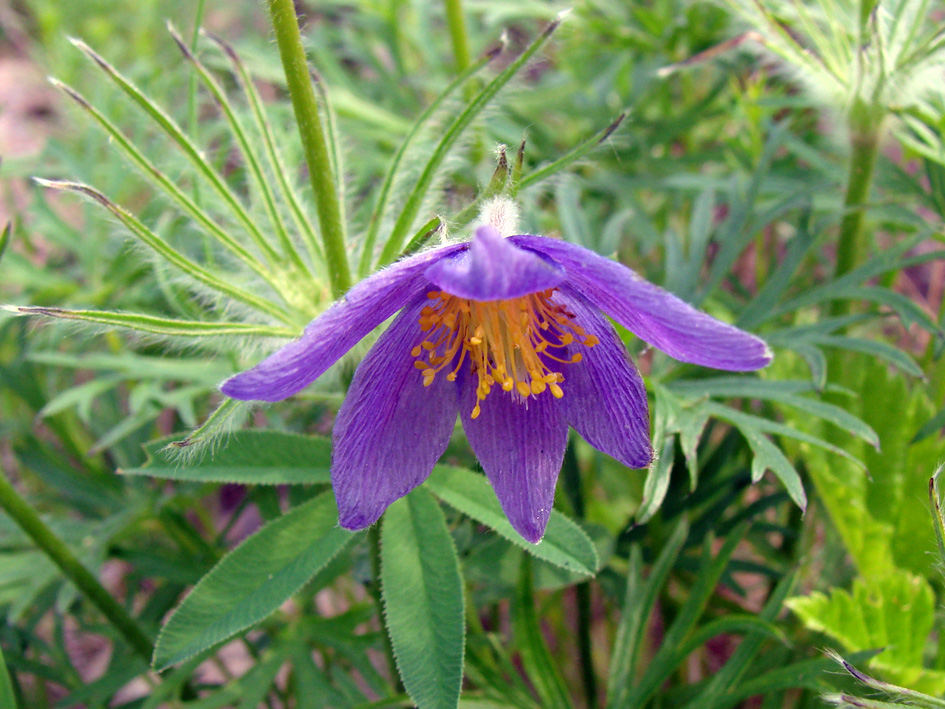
(509,333)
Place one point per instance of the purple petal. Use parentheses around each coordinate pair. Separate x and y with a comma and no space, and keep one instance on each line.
(494,269)
(334,332)
(391,429)
(650,312)
(604,398)
(520,446)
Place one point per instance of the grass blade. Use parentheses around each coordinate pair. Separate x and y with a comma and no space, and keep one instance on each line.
(289,194)
(638,605)
(249,155)
(536,658)
(158,178)
(666,659)
(383,195)
(740,660)
(154,325)
(568,159)
(173,131)
(168,252)
(415,199)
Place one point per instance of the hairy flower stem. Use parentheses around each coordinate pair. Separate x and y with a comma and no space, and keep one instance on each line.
(865,145)
(572,486)
(25,516)
(314,142)
(374,545)
(458,37)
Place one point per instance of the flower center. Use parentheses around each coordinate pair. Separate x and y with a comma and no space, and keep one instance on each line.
(517,344)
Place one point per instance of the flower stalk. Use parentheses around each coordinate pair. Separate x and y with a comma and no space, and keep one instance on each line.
(864,139)
(456,22)
(28,520)
(317,157)
(860,176)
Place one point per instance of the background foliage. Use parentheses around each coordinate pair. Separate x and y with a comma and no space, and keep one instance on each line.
(778,165)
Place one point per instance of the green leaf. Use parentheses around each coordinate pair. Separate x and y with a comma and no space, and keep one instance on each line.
(903,695)
(686,418)
(5,238)
(415,198)
(657,481)
(667,658)
(569,158)
(536,658)
(638,604)
(314,689)
(248,458)
(895,611)
(938,520)
(806,674)
(156,325)
(882,520)
(222,285)
(782,392)
(930,427)
(768,456)
(386,188)
(237,130)
(423,599)
(739,662)
(276,163)
(248,691)
(734,624)
(193,153)
(161,180)
(253,580)
(564,544)
(876,348)
(7,699)
(776,284)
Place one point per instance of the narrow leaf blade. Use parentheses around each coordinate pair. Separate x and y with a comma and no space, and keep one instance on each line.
(249,458)
(253,580)
(564,544)
(423,600)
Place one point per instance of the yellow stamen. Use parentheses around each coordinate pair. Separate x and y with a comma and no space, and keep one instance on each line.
(514,343)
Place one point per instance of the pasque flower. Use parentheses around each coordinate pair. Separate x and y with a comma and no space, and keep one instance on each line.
(508,333)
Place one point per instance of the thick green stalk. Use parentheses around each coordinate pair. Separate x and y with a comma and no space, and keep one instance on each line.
(864,126)
(314,142)
(860,176)
(26,518)
(457,24)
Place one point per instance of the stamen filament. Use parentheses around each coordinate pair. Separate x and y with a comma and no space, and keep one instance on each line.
(507,342)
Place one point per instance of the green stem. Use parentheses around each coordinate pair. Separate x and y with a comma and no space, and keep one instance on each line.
(374,544)
(860,176)
(457,24)
(314,142)
(25,516)
(572,484)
